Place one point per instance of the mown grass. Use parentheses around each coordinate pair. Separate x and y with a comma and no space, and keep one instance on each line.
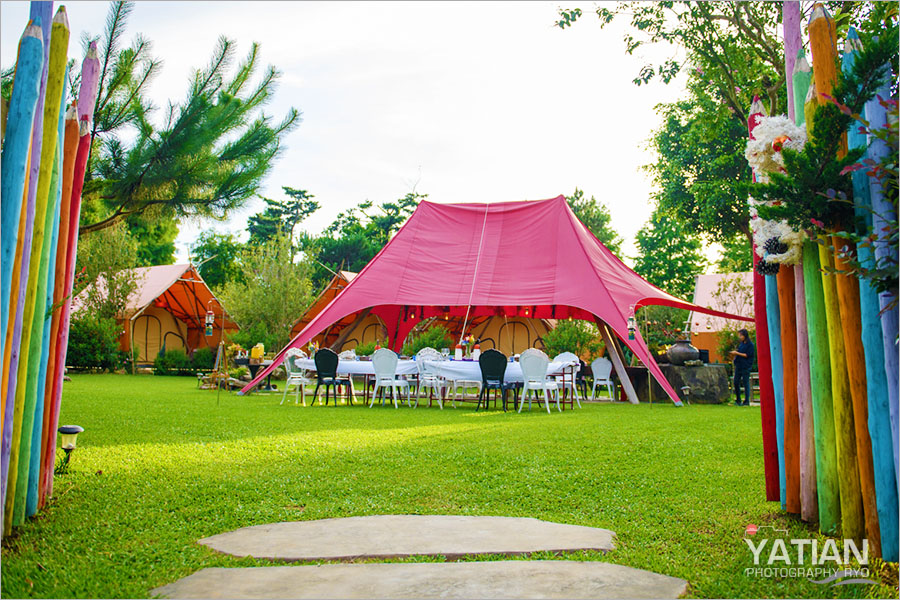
(160,466)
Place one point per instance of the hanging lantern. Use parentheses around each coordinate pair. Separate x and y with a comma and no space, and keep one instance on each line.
(210,320)
(631,327)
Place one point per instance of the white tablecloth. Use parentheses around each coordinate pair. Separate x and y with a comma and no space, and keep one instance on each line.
(448,369)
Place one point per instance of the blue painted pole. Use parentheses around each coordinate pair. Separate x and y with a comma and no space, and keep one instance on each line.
(773,318)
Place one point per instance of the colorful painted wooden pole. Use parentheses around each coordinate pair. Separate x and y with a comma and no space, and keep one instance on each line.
(886,257)
(69,152)
(809,505)
(827,485)
(87,98)
(764,362)
(773,318)
(879,423)
(42,325)
(14,161)
(823,43)
(55,88)
(787,274)
(41,12)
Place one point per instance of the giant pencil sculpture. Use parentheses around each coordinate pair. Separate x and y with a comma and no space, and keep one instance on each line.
(876,380)
(827,486)
(14,161)
(786,295)
(70,150)
(823,43)
(773,321)
(87,98)
(809,505)
(883,212)
(766,401)
(41,12)
(55,88)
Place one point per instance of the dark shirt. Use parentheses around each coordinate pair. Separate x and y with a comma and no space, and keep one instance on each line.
(745,363)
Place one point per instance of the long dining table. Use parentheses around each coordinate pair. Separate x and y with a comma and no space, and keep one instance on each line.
(453,370)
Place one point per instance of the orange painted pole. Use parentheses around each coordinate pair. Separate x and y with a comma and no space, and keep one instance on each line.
(789,365)
(823,43)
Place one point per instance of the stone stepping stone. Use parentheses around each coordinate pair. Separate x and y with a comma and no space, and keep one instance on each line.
(390,536)
(499,579)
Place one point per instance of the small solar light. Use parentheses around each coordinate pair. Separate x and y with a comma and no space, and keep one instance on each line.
(686,392)
(69,434)
(631,327)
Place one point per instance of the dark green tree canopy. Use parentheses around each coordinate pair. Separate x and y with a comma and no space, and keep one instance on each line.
(218,257)
(595,216)
(669,254)
(281,217)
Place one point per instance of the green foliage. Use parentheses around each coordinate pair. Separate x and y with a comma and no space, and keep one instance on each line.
(249,461)
(210,153)
(595,216)
(218,256)
(281,217)
(274,292)
(172,362)
(575,336)
(661,326)
(94,343)
(203,359)
(669,255)
(238,372)
(356,236)
(104,262)
(368,348)
(436,337)
(154,232)
(737,255)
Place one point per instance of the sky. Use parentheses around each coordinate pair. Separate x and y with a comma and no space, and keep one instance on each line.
(463,101)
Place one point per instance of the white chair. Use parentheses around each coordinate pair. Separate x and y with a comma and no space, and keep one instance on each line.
(534,372)
(295,376)
(384,361)
(429,380)
(602,368)
(567,379)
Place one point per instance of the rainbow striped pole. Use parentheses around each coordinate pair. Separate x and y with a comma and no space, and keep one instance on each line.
(41,12)
(52,109)
(87,98)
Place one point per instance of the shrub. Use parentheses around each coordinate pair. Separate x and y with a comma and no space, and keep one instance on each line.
(436,337)
(249,336)
(238,372)
(93,343)
(367,349)
(575,336)
(173,362)
(203,359)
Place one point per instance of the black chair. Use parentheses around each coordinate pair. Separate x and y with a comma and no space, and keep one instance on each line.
(326,374)
(580,381)
(493,368)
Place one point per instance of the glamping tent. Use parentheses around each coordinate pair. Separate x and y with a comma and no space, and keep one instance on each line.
(168,309)
(509,335)
(531,258)
(705,328)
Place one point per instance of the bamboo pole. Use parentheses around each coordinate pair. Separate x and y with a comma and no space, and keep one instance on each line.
(878,416)
(823,43)
(40,12)
(87,98)
(763,357)
(55,89)
(809,505)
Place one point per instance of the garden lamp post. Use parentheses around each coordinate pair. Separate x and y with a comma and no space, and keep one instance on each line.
(68,433)
(686,392)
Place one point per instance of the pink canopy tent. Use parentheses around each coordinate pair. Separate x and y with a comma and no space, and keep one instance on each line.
(530,258)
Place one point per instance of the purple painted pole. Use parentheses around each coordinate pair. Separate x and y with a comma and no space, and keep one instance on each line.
(792,42)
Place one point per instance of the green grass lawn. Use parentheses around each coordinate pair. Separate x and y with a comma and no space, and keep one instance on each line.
(160,466)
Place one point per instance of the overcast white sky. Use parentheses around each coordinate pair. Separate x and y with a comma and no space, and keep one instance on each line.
(468,102)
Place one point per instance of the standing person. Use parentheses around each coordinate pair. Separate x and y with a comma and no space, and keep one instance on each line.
(743,362)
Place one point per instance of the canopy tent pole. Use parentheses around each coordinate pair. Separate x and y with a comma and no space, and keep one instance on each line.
(462,332)
(348,330)
(617,360)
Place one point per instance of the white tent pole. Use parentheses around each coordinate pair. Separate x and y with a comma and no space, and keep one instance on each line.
(617,360)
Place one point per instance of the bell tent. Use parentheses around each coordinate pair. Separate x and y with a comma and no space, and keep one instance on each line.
(531,259)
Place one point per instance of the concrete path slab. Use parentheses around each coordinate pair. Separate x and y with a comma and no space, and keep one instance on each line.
(500,579)
(389,536)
